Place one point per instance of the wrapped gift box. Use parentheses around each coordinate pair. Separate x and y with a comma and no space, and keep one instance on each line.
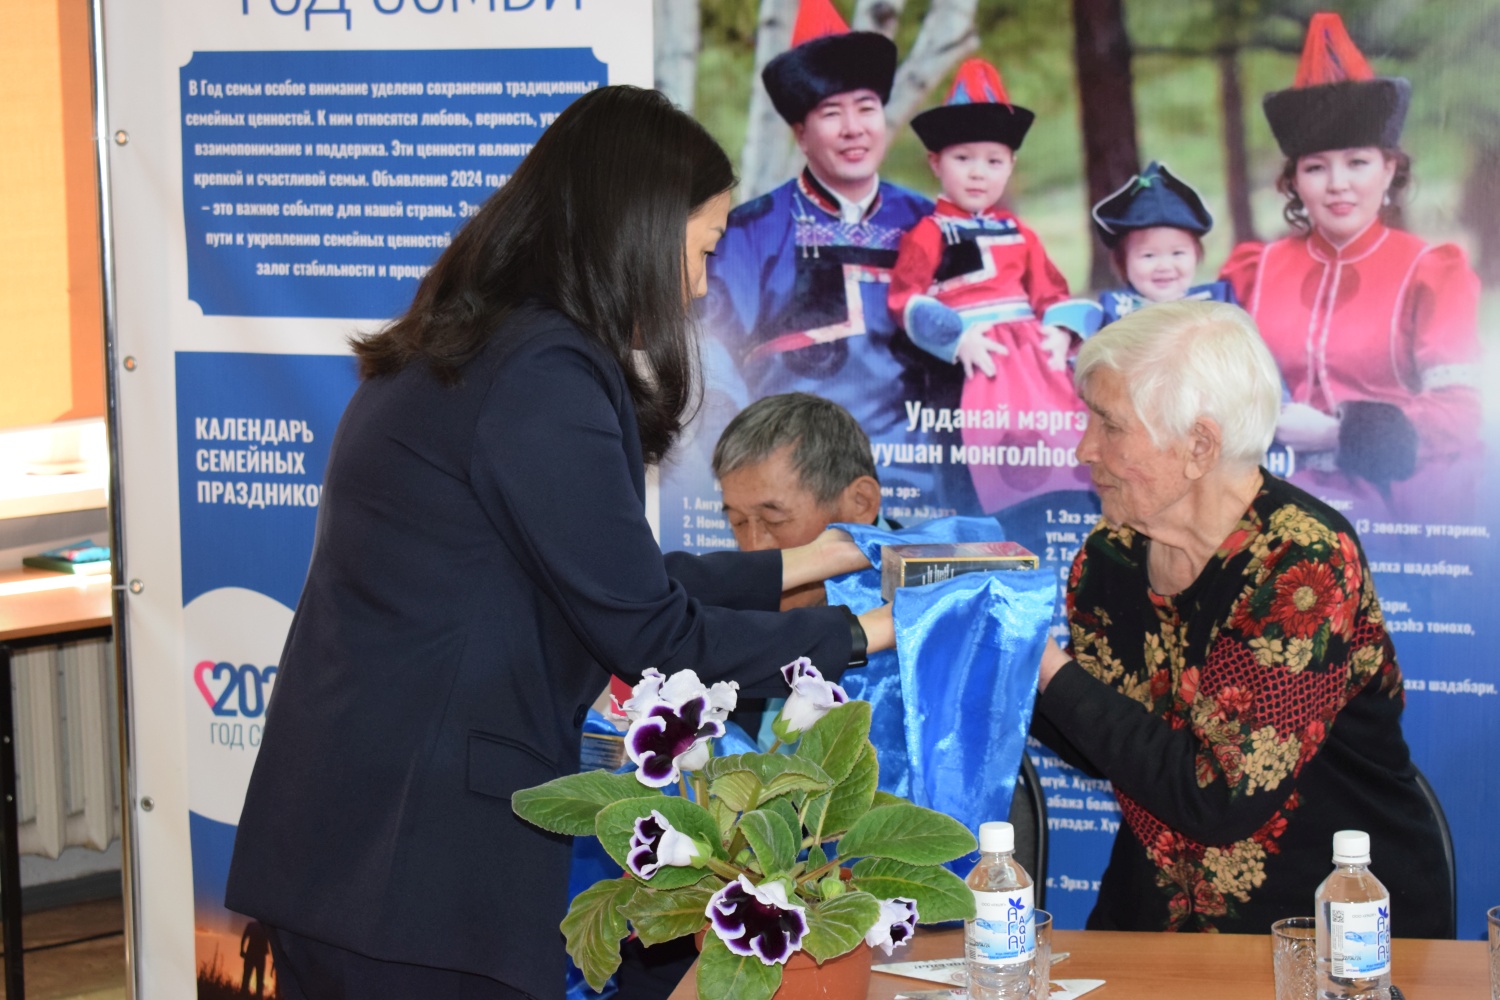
(919,565)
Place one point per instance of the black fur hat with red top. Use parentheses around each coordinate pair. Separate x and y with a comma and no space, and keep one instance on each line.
(825,59)
(977,110)
(1336,101)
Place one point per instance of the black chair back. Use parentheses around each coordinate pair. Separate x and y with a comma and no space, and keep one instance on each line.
(1442,821)
(1028,814)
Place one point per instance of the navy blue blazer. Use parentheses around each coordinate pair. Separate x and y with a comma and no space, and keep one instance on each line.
(482,564)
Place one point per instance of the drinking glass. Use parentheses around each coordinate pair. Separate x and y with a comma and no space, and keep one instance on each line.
(1494,915)
(1294,954)
(1041,965)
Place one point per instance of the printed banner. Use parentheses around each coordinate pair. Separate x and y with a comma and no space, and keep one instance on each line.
(364,187)
(281,175)
(856,268)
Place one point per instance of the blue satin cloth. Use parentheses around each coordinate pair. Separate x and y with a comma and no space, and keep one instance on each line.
(952,703)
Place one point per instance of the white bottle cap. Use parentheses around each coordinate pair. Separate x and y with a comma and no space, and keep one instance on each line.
(996,837)
(1351,847)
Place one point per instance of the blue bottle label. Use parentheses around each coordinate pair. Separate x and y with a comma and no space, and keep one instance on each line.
(1359,938)
(1004,928)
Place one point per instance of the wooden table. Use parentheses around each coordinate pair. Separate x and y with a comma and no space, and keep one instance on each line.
(1169,966)
(37,608)
(39,603)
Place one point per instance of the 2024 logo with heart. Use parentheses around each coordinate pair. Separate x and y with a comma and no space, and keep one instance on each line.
(234,690)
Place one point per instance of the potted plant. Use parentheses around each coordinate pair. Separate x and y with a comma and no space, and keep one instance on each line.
(768,854)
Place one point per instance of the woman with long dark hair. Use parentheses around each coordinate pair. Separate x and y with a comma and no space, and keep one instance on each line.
(1374,329)
(483,564)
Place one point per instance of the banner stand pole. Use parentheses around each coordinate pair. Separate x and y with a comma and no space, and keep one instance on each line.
(130,904)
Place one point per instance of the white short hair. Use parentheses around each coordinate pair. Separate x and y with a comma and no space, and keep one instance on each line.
(1184,360)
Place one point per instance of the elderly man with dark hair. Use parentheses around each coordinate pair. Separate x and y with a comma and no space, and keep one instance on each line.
(789,466)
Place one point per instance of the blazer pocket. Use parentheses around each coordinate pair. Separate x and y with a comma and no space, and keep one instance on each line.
(500,767)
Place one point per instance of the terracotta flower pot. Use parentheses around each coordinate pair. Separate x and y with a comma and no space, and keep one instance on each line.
(846,977)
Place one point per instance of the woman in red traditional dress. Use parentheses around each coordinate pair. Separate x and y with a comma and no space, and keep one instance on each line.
(1374,329)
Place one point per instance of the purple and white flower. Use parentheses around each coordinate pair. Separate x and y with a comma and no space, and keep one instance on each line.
(671,721)
(758,920)
(812,697)
(656,843)
(896,925)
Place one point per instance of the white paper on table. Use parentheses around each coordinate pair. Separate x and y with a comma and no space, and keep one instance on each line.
(1062,989)
(937,970)
(951,971)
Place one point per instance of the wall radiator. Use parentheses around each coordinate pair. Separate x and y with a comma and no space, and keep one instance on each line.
(67,746)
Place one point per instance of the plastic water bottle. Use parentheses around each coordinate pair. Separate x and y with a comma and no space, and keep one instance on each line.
(1000,942)
(1353,925)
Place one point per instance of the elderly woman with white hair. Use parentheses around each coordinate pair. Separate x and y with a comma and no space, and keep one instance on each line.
(1229,670)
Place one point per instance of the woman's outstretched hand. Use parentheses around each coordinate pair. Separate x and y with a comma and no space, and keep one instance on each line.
(833,553)
(880,629)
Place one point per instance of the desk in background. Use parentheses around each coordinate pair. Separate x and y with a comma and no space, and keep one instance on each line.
(37,608)
(1138,966)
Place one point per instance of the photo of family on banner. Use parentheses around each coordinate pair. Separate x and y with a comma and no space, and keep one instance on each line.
(938,281)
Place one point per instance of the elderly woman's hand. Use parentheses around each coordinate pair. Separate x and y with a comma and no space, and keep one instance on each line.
(1053,660)
(1309,429)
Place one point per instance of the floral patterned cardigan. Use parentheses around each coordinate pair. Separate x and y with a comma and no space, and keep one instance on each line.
(1241,722)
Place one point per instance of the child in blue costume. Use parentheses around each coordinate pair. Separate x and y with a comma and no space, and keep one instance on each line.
(1154,228)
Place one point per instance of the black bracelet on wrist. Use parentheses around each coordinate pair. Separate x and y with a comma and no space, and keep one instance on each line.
(859,643)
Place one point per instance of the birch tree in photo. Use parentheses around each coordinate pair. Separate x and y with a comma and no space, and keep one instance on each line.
(947,35)
(770,156)
(883,16)
(678,39)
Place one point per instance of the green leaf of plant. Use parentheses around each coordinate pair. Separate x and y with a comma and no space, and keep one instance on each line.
(851,798)
(723,815)
(661,915)
(782,806)
(837,925)
(816,857)
(940,894)
(616,824)
(836,741)
(570,803)
(907,833)
(886,799)
(813,814)
(594,928)
(738,777)
(722,973)
(773,842)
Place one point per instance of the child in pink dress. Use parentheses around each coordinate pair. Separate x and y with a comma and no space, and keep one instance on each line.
(971,285)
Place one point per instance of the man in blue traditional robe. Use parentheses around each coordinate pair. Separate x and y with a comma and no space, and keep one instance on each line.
(797,290)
